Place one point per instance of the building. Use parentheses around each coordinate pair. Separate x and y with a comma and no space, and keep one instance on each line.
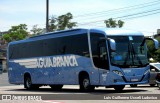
(158,33)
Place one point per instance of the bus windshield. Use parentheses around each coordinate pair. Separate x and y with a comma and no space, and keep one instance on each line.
(131,51)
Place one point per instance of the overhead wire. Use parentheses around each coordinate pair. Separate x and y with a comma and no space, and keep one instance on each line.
(125,16)
(114,12)
(141,16)
(120,9)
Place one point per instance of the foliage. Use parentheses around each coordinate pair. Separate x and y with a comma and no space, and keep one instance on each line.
(16,33)
(61,22)
(152,52)
(53,24)
(36,31)
(20,32)
(110,23)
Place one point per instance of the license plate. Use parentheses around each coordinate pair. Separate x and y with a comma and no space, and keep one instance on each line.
(134,80)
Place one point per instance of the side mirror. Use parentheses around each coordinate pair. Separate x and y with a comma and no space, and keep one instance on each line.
(156,43)
(112,44)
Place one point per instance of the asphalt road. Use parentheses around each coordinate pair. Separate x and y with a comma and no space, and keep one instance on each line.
(4,80)
(71,94)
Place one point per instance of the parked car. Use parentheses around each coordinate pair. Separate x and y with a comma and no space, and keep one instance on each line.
(154,72)
(158,80)
(154,75)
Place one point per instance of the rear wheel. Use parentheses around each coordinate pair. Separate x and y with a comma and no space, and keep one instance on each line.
(119,87)
(28,83)
(85,84)
(133,85)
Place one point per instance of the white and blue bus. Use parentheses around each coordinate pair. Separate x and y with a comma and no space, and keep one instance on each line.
(85,57)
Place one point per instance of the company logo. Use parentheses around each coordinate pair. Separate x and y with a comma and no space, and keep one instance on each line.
(46,62)
(65,61)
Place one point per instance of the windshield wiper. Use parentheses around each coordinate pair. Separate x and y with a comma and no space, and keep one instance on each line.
(128,55)
(135,55)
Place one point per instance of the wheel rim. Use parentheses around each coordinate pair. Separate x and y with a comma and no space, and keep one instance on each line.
(85,83)
(28,83)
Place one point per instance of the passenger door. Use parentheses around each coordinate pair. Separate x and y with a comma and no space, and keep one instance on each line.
(103,63)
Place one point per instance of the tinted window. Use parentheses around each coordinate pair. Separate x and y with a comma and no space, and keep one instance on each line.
(77,44)
(99,51)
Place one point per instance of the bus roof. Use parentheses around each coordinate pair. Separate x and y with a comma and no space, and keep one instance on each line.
(118,32)
(107,31)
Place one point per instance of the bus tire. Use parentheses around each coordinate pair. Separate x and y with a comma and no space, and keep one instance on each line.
(119,87)
(158,84)
(56,87)
(85,84)
(28,83)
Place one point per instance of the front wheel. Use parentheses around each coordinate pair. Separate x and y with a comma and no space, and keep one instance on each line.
(158,84)
(85,84)
(119,87)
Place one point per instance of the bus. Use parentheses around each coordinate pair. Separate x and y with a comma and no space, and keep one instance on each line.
(86,57)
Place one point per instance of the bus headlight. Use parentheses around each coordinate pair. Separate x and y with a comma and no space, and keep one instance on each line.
(118,72)
(146,72)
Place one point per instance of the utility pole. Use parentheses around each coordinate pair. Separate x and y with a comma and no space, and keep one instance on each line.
(47,15)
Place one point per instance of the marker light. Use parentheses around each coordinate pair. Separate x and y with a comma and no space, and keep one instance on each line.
(146,72)
(118,72)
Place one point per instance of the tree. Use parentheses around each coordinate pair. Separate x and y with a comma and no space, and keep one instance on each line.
(61,22)
(16,33)
(120,23)
(152,52)
(36,31)
(53,24)
(110,23)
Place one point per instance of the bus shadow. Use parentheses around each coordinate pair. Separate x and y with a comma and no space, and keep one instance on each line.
(144,87)
(77,91)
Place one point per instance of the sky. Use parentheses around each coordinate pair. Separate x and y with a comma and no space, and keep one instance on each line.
(87,13)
